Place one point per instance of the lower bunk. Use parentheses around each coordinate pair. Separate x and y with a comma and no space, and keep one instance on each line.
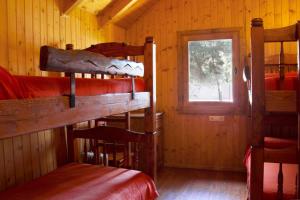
(85,181)
(279,179)
(91,182)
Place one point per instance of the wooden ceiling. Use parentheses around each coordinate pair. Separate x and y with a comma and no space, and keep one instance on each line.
(120,12)
(133,12)
(94,6)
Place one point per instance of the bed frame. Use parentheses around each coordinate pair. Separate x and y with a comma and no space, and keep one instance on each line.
(279,107)
(19,117)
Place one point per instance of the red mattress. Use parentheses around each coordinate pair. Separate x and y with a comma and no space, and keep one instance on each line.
(272,81)
(83,181)
(22,87)
(271,172)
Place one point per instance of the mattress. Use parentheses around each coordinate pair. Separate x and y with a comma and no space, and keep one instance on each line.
(271,172)
(24,87)
(272,81)
(89,182)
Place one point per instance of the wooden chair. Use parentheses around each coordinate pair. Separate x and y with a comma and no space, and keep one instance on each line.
(106,153)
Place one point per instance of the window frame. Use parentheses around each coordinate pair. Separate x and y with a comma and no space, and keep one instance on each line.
(208,107)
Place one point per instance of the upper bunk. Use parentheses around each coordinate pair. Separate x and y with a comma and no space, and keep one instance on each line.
(274,97)
(272,93)
(35,113)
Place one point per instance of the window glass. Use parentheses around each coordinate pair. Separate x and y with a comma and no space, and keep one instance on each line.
(210,70)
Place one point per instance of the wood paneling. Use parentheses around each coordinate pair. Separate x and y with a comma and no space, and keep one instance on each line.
(192,140)
(26,25)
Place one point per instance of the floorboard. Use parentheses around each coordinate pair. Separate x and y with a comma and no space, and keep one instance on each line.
(190,184)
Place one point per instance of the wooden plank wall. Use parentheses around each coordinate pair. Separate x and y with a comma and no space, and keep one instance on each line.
(25,25)
(192,140)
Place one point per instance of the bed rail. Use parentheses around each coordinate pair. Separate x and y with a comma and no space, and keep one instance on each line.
(285,34)
(95,59)
(83,61)
(280,101)
(109,134)
(19,117)
(287,155)
(116,49)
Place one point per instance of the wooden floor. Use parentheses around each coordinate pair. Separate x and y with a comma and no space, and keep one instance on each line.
(189,184)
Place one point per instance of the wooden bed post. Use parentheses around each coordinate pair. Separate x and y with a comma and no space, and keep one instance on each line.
(150,113)
(298,106)
(70,138)
(257,109)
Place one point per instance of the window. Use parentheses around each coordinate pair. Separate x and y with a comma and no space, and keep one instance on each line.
(208,71)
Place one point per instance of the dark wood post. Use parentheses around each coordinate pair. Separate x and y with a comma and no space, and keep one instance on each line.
(150,113)
(127,149)
(298,108)
(281,64)
(280,183)
(60,146)
(257,109)
(70,140)
(69,47)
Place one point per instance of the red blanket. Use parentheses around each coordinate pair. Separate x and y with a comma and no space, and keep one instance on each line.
(22,87)
(89,182)
(272,81)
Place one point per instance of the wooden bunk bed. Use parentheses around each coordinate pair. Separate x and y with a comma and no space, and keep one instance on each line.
(31,111)
(273,163)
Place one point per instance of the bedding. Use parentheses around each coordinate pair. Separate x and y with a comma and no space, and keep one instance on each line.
(24,87)
(272,81)
(90,182)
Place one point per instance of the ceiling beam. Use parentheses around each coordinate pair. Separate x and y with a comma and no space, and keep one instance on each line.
(133,13)
(114,9)
(69,5)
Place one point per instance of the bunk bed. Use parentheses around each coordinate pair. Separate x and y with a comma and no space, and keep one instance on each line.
(30,104)
(273,163)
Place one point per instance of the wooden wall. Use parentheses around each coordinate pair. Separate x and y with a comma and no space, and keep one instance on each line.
(25,25)
(192,140)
